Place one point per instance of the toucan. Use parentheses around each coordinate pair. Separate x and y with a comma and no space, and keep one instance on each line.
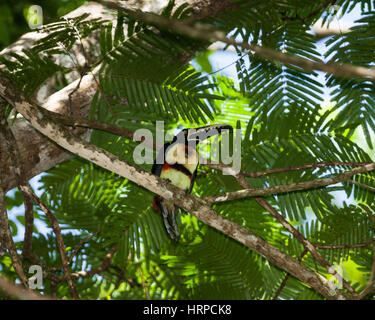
(177,162)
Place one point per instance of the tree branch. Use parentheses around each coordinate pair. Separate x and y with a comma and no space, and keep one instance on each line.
(104,266)
(81,242)
(362,185)
(344,246)
(77,121)
(21,293)
(60,241)
(14,156)
(208,33)
(190,203)
(297,186)
(371,282)
(306,243)
(304,167)
(38,154)
(283,284)
(6,238)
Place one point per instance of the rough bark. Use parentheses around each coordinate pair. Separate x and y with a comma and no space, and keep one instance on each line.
(196,206)
(40,154)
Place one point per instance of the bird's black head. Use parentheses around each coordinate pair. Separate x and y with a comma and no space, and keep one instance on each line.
(200,134)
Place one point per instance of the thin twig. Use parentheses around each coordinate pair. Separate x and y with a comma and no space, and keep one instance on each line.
(193,204)
(14,155)
(104,266)
(144,286)
(344,246)
(258,174)
(306,243)
(304,167)
(362,185)
(6,237)
(76,121)
(298,186)
(60,241)
(282,285)
(371,282)
(81,242)
(27,250)
(5,232)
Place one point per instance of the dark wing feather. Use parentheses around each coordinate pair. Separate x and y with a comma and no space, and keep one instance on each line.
(193,177)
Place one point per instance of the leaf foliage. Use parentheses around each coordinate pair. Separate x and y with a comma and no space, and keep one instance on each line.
(146,76)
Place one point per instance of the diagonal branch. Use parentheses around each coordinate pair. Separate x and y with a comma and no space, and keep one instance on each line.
(60,241)
(77,121)
(21,293)
(362,185)
(371,282)
(6,238)
(303,167)
(297,186)
(305,242)
(196,206)
(14,155)
(283,283)
(208,33)
(81,242)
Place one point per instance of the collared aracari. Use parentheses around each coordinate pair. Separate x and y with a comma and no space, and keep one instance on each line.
(177,162)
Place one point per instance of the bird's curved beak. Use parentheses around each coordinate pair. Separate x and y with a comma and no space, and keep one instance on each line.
(203,133)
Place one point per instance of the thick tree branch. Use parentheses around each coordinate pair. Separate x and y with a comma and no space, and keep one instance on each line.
(21,293)
(190,203)
(38,153)
(208,33)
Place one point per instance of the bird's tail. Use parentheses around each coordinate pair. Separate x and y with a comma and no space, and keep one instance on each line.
(169,213)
